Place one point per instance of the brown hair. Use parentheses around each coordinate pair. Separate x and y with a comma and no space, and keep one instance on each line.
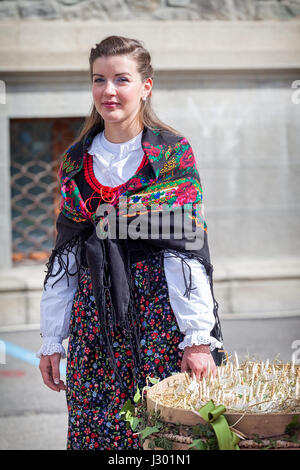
(119,45)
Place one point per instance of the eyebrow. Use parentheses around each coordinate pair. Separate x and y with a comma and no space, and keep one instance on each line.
(123,73)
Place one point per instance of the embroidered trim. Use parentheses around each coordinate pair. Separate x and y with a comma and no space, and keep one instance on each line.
(48,349)
(99,187)
(90,176)
(67,164)
(197,338)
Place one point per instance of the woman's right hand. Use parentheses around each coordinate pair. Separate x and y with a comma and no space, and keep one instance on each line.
(49,367)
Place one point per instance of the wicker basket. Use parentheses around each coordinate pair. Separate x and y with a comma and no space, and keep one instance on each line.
(262,425)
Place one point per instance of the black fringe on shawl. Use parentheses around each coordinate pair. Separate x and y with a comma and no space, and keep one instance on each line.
(130,326)
(209,271)
(74,246)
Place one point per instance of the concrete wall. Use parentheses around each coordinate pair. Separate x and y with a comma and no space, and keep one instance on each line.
(228,87)
(162,10)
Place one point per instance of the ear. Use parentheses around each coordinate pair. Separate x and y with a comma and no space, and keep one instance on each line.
(148,86)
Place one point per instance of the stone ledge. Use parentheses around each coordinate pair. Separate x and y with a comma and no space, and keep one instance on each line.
(22,278)
(30,277)
(19,327)
(264,289)
(176,45)
(255,270)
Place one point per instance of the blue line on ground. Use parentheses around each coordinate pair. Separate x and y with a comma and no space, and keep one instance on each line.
(27,356)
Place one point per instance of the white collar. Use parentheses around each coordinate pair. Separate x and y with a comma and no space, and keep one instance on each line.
(100,146)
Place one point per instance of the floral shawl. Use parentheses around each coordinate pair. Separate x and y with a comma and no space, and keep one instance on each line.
(167,183)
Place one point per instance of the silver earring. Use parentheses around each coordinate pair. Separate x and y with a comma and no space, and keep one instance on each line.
(144,98)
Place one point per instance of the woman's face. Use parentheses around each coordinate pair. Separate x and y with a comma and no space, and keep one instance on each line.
(117,81)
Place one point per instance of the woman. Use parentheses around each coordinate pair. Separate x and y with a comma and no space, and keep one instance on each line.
(121,300)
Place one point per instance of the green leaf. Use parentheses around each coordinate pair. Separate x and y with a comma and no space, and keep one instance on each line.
(164,443)
(153,380)
(128,406)
(195,430)
(152,444)
(212,444)
(293,427)
(128,415)
(198,444)
(133,421)
(257,439)
(148,431)
(137,396)
(202,430)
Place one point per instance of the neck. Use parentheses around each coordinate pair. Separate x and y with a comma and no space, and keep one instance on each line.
(119,132)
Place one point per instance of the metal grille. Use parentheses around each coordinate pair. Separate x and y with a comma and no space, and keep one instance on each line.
(36,149)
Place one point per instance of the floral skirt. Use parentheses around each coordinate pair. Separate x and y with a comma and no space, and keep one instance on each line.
(94,395)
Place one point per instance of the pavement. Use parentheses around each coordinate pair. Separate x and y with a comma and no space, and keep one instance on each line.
(33,417)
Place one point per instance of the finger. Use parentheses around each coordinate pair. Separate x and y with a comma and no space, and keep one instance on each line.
(55,360)
(214,371)
(62,385)
(203,370)
(197,372)
(51,385)
(213,368)
(47,378)
(183,364)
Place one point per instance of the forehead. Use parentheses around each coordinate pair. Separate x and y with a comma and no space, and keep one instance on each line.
(115,64)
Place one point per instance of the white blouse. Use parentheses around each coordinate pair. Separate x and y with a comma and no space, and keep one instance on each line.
(114,164)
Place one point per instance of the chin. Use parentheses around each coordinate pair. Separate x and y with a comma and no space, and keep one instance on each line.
(111,116)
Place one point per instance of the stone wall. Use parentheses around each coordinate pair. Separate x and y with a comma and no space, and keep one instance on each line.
(164,10)
(226,85)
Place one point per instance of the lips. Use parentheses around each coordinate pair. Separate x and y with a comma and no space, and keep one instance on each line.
(110,103)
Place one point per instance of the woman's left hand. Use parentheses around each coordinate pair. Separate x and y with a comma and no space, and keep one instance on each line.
(198,359)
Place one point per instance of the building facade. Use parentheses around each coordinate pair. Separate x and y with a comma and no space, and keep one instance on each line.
(226,75)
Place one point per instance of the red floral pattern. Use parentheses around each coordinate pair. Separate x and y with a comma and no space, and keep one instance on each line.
(186,193)
(187,159)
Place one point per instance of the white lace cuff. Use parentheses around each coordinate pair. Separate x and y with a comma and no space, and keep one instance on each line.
(47,349)
(197,337)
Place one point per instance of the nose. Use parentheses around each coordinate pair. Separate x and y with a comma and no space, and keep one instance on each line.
(109,88)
